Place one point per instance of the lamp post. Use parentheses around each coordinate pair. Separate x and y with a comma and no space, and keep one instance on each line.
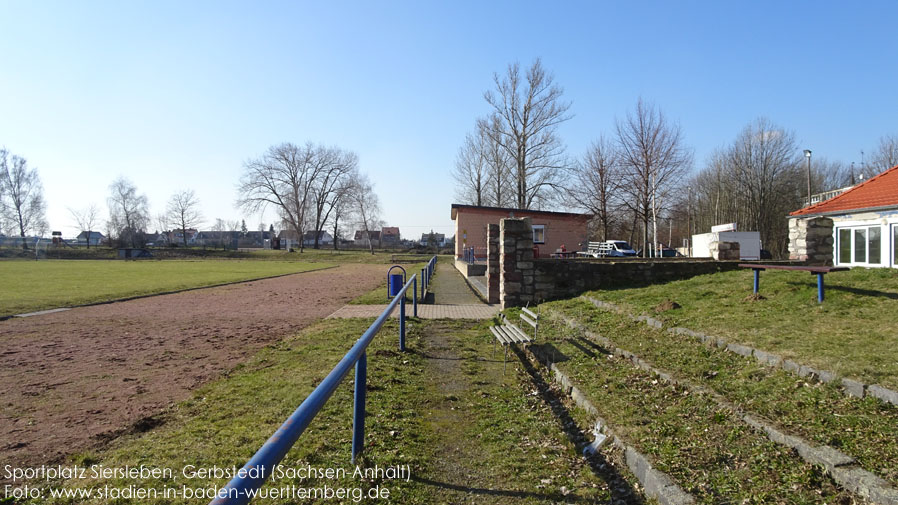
(807,154)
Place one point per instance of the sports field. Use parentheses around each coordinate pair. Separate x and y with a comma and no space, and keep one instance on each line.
(30,286)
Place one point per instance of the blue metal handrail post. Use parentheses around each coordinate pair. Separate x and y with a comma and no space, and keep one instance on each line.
(358,411)
(402,323)
(415,297)
(276,447)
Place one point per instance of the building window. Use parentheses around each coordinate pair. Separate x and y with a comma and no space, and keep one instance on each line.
(895,245)
(844,245)
(860,245)
(539,234)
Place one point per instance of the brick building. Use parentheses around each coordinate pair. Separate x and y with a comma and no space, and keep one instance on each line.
(551,230)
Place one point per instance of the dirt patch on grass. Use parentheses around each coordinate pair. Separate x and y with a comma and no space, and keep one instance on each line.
(72,381)
(667,305)
(754,297)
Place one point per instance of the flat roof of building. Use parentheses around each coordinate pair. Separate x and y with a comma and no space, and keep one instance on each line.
(512,211)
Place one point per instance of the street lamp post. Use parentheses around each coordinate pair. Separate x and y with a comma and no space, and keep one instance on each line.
(807,154)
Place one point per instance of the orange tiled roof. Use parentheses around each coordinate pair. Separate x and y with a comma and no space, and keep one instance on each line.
(878,191)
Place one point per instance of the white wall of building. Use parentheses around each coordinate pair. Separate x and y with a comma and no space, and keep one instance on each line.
(749,243)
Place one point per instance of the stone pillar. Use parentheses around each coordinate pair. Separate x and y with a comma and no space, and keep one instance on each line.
(516,272)
(722,251)
(492,263)
(811,240)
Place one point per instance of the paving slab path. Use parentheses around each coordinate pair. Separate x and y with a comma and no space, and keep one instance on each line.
(453,299)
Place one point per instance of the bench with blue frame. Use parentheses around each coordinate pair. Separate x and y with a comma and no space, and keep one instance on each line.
(819,271)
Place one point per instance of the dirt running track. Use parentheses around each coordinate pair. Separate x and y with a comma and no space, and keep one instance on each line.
(72,381)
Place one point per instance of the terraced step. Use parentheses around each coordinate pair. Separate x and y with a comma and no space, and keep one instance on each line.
(864,429)
(709,451)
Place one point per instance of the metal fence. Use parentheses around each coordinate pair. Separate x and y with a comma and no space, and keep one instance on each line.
(256,471)
(472,255)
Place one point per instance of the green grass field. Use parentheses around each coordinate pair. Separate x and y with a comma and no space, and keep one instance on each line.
(853,332)
(37,285)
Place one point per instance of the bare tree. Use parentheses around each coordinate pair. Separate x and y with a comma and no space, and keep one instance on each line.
(655,157)
(755,181)
(128,211)
(499,180)
(334,171)
(886,154)
(21,196)
(183,212)
(471,170)
(286,177)
(527,110)
(342,208)
(365,207)
(87,220)
(596,182)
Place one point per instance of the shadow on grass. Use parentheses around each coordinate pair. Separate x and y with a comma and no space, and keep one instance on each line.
(847,289)
(602,468)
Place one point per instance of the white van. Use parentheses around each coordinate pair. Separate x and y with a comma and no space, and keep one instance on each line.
(609,248)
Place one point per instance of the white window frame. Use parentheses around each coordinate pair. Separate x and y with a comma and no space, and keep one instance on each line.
(542,228)
(837,250)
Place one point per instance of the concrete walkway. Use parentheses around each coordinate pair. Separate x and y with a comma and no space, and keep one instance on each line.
(452,296)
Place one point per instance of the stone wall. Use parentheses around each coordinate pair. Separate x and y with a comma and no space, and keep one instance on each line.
(811,240)
(523,279)
(516,286)
(723,251)
(492,263)
(564,278)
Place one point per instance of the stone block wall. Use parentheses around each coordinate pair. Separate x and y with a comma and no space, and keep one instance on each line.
(522,279)
(557,279)
(811,240)
(492,263)
(723,251)
(516,286)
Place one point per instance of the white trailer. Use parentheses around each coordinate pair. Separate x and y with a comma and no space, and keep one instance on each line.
(749,243)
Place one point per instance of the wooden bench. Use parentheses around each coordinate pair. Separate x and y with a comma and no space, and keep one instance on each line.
(508,333)
(818,271)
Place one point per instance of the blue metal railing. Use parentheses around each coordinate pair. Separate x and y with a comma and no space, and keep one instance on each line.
(470,256)
(426,276)
(257,470)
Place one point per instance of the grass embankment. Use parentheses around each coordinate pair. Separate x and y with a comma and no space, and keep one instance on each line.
(707,450)
(467,432)
(864,429)
(37,285)
(853,333)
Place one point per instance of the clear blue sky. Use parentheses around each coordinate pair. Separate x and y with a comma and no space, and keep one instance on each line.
(178,94)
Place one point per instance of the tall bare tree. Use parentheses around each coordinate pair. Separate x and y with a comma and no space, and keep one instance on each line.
(527,110)
(655,158)
(755,181)
(365,206)
(21,196)
(500,179)
(886,154)
(300,182)
(128,212)
(334,171)
(596,183)
(87,220)
(471,171)
(183,211)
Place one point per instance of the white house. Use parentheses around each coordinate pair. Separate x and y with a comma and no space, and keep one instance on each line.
(864,223)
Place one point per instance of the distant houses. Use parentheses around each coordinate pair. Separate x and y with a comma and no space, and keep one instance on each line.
(437,239)
(372,238)
(92,239)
